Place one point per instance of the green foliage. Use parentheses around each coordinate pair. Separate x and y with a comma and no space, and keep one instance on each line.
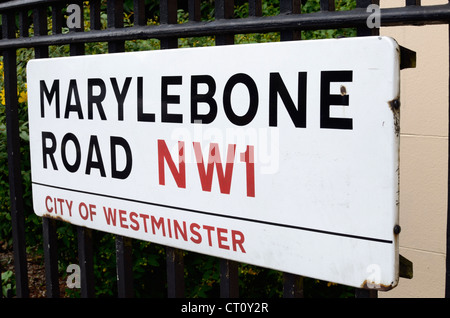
(8,283)
(202,273)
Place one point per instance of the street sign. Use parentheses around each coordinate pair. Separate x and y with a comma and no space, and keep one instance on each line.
(282,155)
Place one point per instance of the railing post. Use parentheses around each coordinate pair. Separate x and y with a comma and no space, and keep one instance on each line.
(124,263)
(229,279)
(124,267)
(290,7)
(229,284)
(174,257)
(84,235)
(48,225)
(86,261)
(365,30)
(292,284)
(175,272)
(13,143)
(224,10)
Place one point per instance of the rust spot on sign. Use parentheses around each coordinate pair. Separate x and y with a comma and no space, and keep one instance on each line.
(394,105)
(55,217)
(376,286)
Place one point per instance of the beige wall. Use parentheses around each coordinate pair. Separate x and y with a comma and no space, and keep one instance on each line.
(423,156)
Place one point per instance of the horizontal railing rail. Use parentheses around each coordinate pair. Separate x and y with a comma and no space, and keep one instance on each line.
(409,15)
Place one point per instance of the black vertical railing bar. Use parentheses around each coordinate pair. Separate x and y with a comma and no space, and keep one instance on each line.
(49,225)
(115,21)
(140,17)
(13,146)
(194,10)
(327,5)
(174,256)
(175,272)
(84,235)
(23,23)
(229,279)
(292,284)
(224,9)
(94,15)
(86,261)
(255,8)
(229,270)
(366,30)
(57,18)
(168,15)
(124,264)
(290,7)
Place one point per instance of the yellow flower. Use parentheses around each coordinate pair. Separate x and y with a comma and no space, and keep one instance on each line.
(23,97)
(2,97)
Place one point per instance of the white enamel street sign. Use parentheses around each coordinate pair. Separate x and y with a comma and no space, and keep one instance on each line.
(282,155)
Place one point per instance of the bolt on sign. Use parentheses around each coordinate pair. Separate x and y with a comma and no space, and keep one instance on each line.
(282,155)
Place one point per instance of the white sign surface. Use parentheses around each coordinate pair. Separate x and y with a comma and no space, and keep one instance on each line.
(283,155)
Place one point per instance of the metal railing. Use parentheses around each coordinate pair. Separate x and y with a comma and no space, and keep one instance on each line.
(289,23)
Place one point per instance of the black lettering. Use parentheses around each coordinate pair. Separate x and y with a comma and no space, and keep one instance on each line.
(277,87)
(326,100)
(120,95)
(54,92)
(203,98)
(140,103)
(73,89)
(169,99)
(71,167)
(96,99)
(48,151)
(94,146)
(119,141)
(253,94)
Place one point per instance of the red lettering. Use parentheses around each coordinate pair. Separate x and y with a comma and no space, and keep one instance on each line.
(110,216)
(46,205)
(164,156)
(221,238)
(169,227)
(237,241)
(178,229)
(209,229)
(69,206)
(214,158)
(135,225)
(122,219)
(144,217)
(227,239)
(159,223)
(60,205)
(197,240)
(249,159)
(92,211)
(84,207)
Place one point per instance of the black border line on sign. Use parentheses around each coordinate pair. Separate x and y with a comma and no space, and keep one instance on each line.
(220,215)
